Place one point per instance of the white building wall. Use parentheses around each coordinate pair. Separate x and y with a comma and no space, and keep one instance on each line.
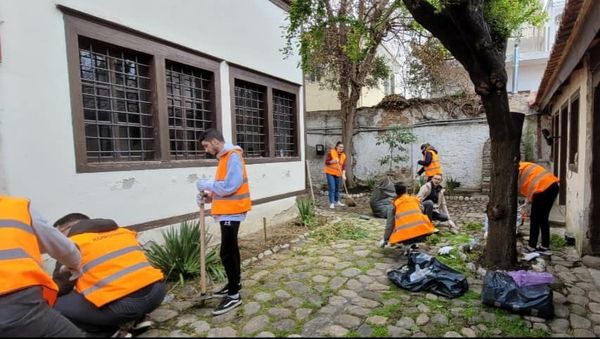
(37,156)
(530,75)
(578,190)
(460,146)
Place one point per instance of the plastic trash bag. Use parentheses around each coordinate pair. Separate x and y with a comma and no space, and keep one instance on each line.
(426,273)
(530,278)
(501,290)
(382,197)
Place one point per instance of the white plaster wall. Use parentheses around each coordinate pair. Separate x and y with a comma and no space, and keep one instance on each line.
(36,149)
(460,145)
(324,99)
(578,189)
(530,75)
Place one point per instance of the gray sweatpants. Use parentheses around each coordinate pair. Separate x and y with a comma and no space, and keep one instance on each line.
(105,320)
(26,314)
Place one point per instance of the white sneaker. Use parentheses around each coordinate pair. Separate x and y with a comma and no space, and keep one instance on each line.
(341,204)
(331,206)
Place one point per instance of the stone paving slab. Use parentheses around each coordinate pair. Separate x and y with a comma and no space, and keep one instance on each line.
(340,288)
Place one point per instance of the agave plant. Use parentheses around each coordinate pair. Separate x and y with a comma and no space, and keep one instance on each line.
(306,209)
(179,257)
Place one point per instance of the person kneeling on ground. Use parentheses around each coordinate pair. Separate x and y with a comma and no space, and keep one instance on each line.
(431,195)
(118,285)
(406,223)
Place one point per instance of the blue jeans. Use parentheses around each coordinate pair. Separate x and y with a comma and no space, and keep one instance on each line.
(333,184)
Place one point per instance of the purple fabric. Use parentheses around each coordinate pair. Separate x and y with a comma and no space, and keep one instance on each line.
(530,278)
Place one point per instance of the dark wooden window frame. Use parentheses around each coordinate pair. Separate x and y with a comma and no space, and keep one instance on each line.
(573,132)
(240,73)
(81,24)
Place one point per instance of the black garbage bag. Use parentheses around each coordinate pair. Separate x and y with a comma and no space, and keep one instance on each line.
(500,290)
(425,273)
(382,197)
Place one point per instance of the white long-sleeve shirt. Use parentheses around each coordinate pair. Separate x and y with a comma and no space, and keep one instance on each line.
(54,243)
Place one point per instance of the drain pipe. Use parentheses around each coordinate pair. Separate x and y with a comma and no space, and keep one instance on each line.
(515,77)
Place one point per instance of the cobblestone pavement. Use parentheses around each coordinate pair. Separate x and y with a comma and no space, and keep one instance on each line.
(340,289)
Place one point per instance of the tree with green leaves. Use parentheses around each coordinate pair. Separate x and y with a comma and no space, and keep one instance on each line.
(475,32)
(339,39)
(395,138)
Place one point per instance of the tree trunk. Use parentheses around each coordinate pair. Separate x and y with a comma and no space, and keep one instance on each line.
(505,137)
(348,114)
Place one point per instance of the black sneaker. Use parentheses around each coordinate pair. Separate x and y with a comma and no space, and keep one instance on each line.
(225,290)
(228,303)
(543,250)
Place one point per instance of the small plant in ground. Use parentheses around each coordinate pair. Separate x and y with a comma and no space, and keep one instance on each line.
(340,230)
(557,242)
(473,226)
(179,257)
(371,183)
(395,138)
(380,331)
(306,209)
(452,184)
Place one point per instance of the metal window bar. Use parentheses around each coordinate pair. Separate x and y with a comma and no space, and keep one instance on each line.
(250,114)
(117,110)
(190,109)
(284,124)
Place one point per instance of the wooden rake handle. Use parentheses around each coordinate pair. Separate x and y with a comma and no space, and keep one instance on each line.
(202,250)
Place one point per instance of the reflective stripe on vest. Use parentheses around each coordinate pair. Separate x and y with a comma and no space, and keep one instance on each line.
(435,167)
(534,179)
(239,202)
(335,169)
(410,222)
(20,256)
(113,266)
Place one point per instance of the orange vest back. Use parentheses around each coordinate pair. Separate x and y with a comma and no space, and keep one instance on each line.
(533,179)
(435,167)
(113,266)
(335,169)
(238,202)
(410,222)
(20,257)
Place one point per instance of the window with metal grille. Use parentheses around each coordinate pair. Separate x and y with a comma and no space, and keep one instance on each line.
(117,109)
(189,108)
(284,121)
(250,119)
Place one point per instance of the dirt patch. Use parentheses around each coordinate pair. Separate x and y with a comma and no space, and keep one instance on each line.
(254,243)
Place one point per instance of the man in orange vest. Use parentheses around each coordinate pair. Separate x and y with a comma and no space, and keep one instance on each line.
(335,168)
(540,187)
(431,162)
(27,292)
(406,223)
(118,284)
(229,193)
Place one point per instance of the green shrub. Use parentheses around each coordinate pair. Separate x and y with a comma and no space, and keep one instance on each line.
(452,184)
(557,242)
(371,182)
(306,209)
(179,257)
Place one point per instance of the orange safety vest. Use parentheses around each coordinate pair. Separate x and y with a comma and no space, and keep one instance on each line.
(410,222)
(533,179)
(20,256)
(335,169)
(238,202)
(113,265)
(435,167)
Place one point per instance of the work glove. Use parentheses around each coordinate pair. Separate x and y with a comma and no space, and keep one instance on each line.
(445,250)
(344,177)
(203,197)
(75,273)
(452,224)
(382,243)
(204,184)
